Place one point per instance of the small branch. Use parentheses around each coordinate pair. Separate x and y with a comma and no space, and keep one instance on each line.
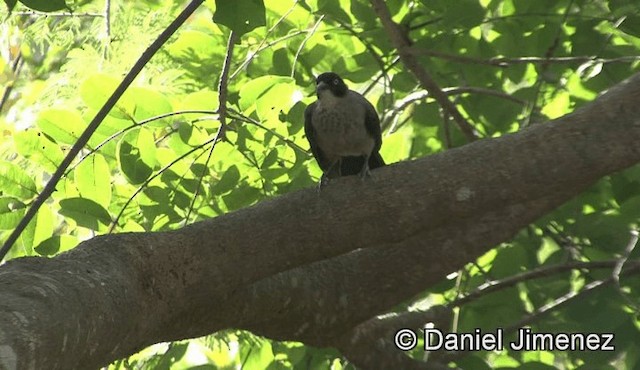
(400,41)
(402,104)
(93,125)
(114,223)
(59,14)
(223,90)
(262,45)
(241,117)
(551,306)
(617,269)
(374,54)
(223,87)
(303,43)
(506,62)
(480,90)
(16,66)
(493,286)
(564,300)
(107,21)
(625,256)
(131,127)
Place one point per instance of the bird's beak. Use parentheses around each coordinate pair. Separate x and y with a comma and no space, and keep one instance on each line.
(322,86)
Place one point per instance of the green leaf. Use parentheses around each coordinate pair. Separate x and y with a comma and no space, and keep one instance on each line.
(93,179)
(10,4)
(194,45)
(147,146)
(252,90)
(279,98)
(334,9)
(200,100)
(62,125)
(463,13)
(241,16)
(44,5)
(136,155)
(11,212)
(259,356)
(85,212)
(16,182)
(56,244)
(41,151)
(240,197)
(228,181)
(150,103)
(96,89)
(631,25)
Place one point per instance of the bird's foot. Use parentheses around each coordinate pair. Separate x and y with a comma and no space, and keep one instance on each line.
(324,181)
(365,174)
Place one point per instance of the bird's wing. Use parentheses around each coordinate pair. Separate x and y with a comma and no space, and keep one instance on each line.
(372,123)
(310,132)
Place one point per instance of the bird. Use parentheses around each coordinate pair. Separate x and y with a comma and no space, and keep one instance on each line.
(343,130)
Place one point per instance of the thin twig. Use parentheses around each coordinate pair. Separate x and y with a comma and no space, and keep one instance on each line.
(544,67)
(93,125)
(493,286)
(239,116)
(303,43)
(59,14)
(617,269)
(107,21)
(261,46)
(372,51)
(114,222)
(131,127)
(16,66)
(505,62)
(223,90)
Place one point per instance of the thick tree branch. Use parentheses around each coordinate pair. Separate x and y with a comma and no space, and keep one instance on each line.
(308,266)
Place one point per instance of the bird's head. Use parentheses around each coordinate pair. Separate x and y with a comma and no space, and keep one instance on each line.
(330,83)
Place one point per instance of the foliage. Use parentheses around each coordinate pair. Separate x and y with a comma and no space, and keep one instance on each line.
(154,163)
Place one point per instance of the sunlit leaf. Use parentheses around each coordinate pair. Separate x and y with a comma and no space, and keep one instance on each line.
(93,179)
(96,90)
(62,125)
(85,212)
(16,182)
(11,211)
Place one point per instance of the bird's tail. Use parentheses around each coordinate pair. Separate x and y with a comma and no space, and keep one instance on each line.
(353,165)
(376,160)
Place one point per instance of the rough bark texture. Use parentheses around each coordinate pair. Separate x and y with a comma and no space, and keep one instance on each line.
(304,266)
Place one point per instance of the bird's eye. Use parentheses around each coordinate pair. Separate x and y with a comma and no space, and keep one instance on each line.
(335,82)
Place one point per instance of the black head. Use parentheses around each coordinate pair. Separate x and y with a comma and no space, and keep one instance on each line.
(332,82)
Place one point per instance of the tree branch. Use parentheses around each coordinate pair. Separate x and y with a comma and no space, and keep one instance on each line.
(306,266)
(400,41)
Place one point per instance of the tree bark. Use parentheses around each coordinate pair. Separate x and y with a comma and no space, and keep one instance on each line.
(306,266)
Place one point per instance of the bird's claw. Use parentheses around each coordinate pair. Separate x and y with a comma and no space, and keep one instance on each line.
(324,180)
(366,174)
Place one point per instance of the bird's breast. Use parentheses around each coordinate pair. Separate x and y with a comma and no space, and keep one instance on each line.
(341,130)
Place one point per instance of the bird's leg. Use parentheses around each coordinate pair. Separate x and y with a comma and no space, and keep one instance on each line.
(365,172)
(331,172)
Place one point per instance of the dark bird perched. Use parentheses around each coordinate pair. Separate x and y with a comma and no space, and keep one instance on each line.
(343,130)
